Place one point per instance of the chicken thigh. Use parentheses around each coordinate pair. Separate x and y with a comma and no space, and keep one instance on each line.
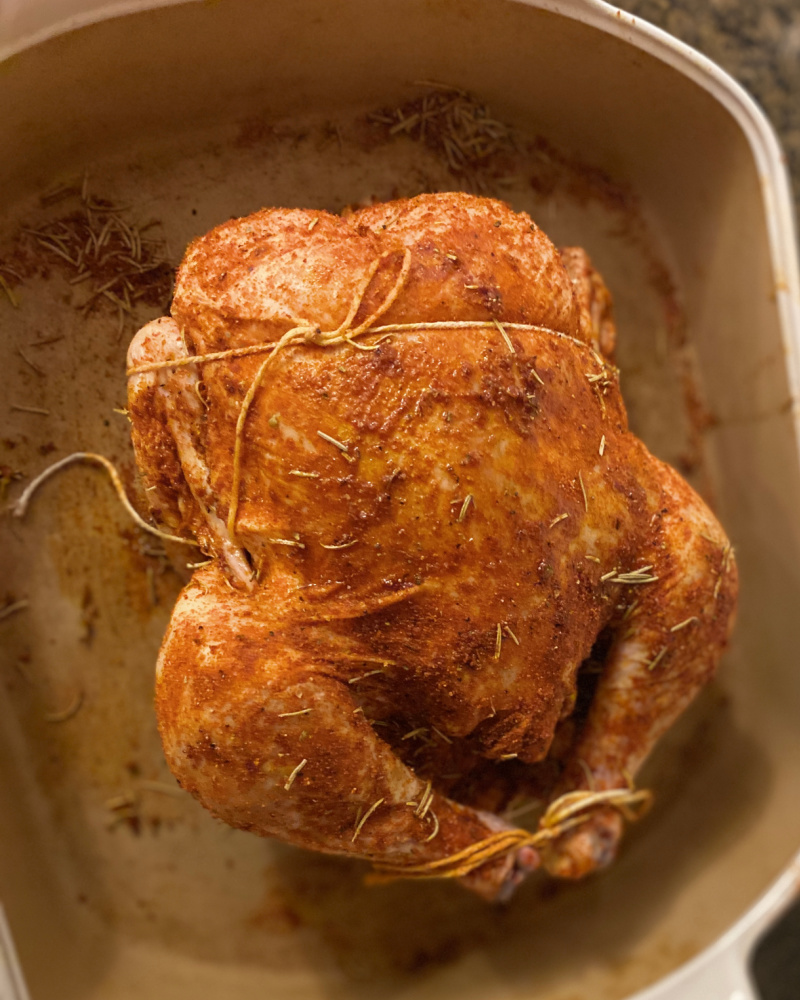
(400,441)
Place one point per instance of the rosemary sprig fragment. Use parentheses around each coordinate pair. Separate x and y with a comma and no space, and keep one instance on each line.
(9,292)
(683,624)
(13,608)
(295,772)
(361,677)
(635,576)
(31,364)
(465,506)
(292,542)
(424,802)
(504,335)
(537,376)
(630,610)
(583,491)
(332,440)
(29,409)
(498,641)
(727,557)
(430,837)
(342,545)
(365,817)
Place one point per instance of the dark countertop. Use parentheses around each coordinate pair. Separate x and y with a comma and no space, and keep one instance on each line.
(756,41)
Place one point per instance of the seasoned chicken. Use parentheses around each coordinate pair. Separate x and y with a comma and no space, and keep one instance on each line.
(399,439)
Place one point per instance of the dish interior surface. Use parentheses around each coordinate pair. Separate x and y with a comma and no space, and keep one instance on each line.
(180,119)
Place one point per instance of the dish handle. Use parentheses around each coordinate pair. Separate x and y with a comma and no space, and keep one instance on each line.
(722,971)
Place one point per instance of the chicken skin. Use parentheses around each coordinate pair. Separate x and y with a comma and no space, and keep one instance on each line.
(421,512)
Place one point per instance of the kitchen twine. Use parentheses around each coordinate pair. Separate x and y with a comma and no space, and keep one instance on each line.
(567,811)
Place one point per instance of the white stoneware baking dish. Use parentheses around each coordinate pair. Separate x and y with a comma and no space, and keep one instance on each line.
(114,884)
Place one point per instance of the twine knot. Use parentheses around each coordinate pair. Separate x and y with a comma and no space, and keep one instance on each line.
(313,335)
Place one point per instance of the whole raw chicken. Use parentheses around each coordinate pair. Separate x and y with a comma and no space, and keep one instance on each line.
(422,512)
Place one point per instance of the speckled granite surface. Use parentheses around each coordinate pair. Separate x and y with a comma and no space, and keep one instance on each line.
(756,41)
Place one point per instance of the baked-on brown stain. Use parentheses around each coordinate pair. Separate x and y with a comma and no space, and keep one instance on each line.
(392,641)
